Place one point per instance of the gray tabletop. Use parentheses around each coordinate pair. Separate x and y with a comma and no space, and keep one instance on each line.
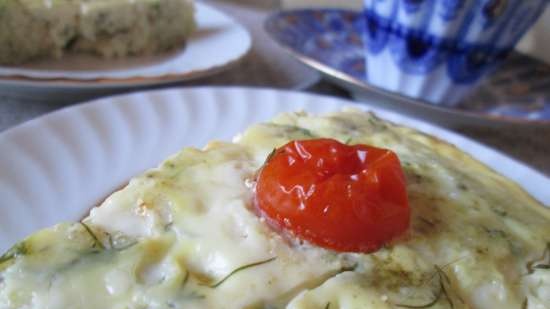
(267,65)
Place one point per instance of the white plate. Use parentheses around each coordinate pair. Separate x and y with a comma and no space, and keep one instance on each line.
(217,43)
(57,167)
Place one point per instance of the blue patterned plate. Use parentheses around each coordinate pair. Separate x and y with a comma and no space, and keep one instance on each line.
(330,41)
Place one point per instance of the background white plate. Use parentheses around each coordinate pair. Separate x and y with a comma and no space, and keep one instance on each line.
(218,42)
(57,167)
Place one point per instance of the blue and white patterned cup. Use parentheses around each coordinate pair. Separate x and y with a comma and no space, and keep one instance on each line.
(436,50)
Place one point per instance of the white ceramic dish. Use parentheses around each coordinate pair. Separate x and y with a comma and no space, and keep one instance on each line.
(55,168)
(217,43)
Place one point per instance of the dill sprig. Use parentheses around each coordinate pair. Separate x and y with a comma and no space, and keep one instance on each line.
(444,278)
(97,242)
(111,242)
(270,155)
(426,221)
(442,291)
(304,131)
(112,245)
(15,251)
(5,257)
(341,270)
(540,262)
(185,279)
(217,284)
(436,299)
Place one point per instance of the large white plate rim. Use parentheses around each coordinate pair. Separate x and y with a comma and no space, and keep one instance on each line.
(55,167)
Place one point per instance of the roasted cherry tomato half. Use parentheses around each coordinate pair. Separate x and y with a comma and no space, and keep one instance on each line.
(337,196)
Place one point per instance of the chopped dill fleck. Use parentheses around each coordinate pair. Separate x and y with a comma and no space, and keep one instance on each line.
(270,155)
(342,270)
(376,123)
(168,226)
(347,142)
(442,291)
(185,279)
(111,243)
(426,221)
(443,275)
(217,284)
(306,132)
(15,251)
(431,303)
(97,242)
(540,262)
(495,233)
(327,306)
(348,268)
(500,212)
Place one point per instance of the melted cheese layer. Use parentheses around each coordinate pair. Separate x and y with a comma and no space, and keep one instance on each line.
(185,235)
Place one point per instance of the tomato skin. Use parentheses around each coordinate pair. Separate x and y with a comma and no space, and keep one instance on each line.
(341,197)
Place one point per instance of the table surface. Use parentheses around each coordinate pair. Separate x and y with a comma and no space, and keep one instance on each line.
(267,65)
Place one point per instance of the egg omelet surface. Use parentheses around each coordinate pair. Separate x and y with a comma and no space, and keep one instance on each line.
(184,235)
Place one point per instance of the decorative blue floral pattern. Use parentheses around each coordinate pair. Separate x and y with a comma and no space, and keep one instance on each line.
(376,34)
(416,54)
(518,89)
(321,33)
(492,10)
(450,9)
(420,50)
(412,6)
